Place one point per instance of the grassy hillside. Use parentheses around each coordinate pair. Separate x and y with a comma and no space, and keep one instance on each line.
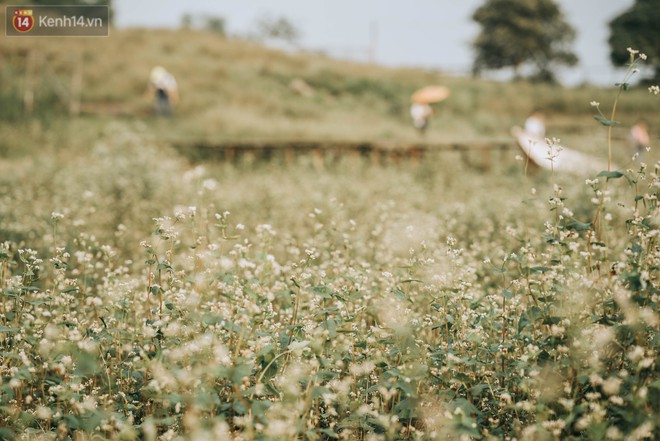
(237,89)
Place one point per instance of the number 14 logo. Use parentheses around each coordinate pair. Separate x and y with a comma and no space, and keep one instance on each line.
(23,20)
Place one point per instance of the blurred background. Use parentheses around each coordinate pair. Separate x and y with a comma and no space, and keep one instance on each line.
(297,70)
(420,33)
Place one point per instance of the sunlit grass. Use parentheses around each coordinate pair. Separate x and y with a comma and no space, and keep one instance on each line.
(145,297)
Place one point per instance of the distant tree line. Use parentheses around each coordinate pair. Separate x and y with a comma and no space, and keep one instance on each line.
(268,28)
(533,36)
(638,28)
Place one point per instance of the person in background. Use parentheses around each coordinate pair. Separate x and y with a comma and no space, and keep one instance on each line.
(639,137)
(163,88)
(535,124)
(421,113)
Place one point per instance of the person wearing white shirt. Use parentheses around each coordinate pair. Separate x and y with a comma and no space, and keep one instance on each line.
(420,113)
(535,124)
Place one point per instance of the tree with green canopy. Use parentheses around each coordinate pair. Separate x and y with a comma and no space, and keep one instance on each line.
(519,33)
(638,29)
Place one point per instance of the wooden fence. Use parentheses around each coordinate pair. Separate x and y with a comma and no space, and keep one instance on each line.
(325,152)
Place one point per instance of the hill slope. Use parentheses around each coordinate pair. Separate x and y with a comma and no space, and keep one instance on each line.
(237,89)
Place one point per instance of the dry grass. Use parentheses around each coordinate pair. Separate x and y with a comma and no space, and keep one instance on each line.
(238,89)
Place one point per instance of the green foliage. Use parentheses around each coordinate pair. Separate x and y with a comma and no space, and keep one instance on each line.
(215,24)
(270,28)
(515,33)
(636,27)
(604,121)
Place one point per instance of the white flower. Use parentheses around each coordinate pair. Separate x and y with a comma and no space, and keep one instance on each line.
(44,413)
(210,184)
(594,104)
(611,385)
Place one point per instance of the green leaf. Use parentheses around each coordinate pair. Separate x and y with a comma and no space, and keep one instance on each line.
(467,429)
(239,407)
(8,329)
(539,269)
(239,372)
(319,391)
(578,226)
(412,280)
(322,291)
(523,322)
(553,320)
(259,408)
(404,409)
(86,364)
(399,294)
(442,325)
(598,430)
(73,421)
(329,433)
(332,327)
(653,396)
(526,271)
(606,122)
(610,174)
(478,389)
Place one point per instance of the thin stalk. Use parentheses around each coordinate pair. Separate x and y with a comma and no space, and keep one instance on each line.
(149,283)
(294,319)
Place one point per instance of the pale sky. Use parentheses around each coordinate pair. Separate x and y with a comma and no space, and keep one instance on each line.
(424,33)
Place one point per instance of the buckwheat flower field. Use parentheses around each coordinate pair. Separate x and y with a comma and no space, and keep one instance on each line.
(145,297)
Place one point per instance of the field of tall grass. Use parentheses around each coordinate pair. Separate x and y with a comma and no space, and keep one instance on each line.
(146,297)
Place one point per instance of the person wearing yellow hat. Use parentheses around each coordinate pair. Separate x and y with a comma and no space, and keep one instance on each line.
(163,87)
